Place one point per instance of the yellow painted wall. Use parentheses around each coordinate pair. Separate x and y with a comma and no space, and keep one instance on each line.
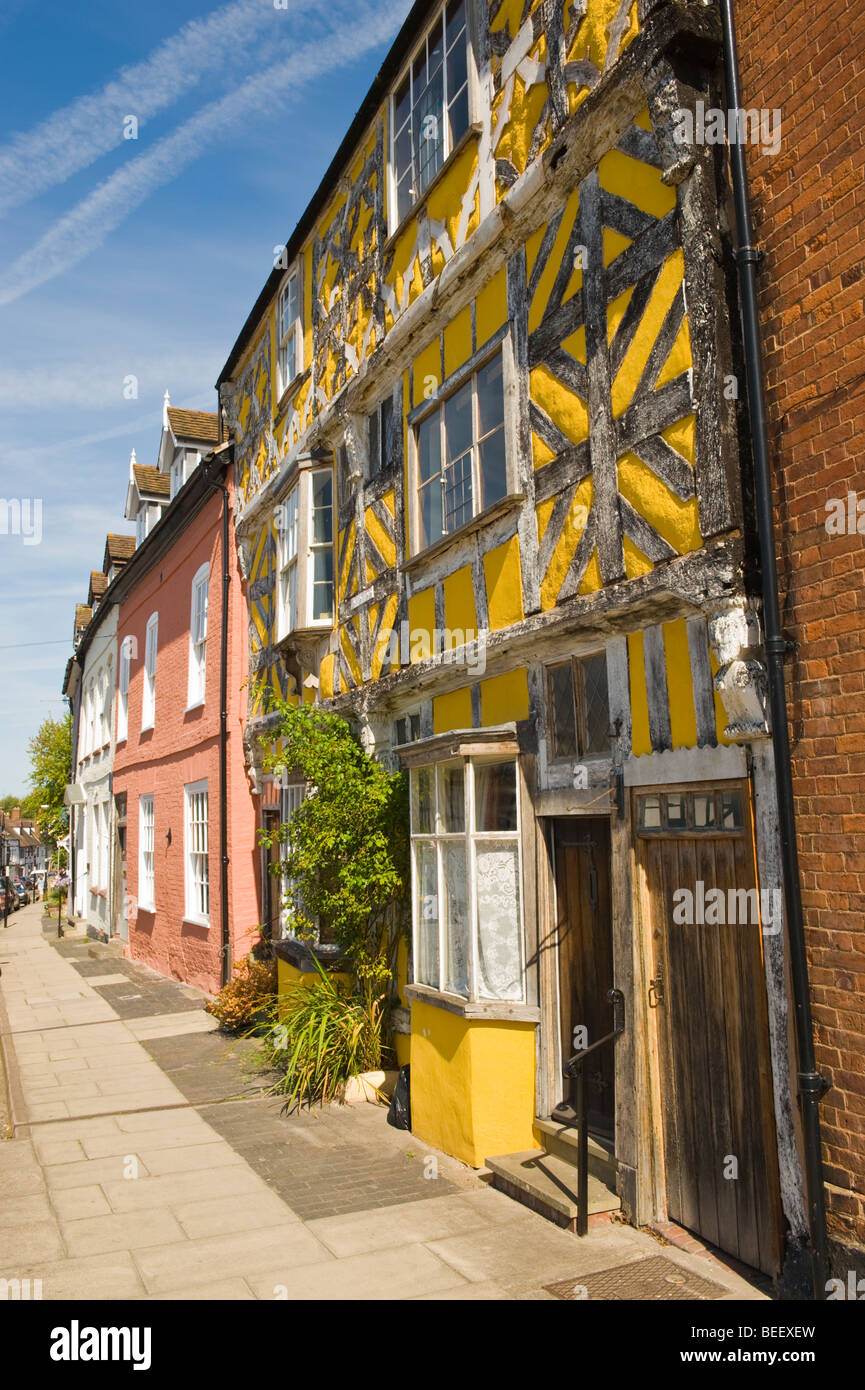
(472,1084)
(505,698)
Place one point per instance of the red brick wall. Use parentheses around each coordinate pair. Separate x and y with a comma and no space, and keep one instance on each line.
(183,747)
(809,208)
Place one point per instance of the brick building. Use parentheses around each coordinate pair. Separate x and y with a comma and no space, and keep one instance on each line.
(809,208)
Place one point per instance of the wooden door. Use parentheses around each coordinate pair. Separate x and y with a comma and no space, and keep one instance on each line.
(585,949)
(708,997)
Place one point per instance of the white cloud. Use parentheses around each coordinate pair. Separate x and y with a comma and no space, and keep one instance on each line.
(72,138)
(74,236)
(92,384)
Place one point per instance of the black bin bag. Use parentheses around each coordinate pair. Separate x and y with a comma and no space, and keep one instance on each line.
(399,1114)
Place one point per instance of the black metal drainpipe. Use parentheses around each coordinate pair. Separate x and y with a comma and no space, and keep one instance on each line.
(812,1085)
(223,740)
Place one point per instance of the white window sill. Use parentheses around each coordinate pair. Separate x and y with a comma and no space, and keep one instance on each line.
(148,728)
(501,1009)
(146,907)
(196,704)
(192,921)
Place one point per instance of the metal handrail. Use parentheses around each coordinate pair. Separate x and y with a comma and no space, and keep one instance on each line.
(573,1069)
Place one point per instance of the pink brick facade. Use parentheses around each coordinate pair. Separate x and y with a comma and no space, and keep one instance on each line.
(181,749)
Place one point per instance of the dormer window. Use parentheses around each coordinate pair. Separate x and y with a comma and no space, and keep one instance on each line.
(289,332)
(430,108)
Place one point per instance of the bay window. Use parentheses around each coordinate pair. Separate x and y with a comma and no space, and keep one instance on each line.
(460,456)
(430,108)
(466,876)
(305,533)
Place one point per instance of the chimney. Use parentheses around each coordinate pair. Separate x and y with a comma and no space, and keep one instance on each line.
(16,813)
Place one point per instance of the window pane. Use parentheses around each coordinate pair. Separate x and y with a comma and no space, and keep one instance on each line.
(456,916)
(650,812)
(677,812)
(427,915)
(386,433)
(455,19)
(322,506)
(563,726)
(402,153)
(322,589)
(704,810)
(457,71)
(423,801)
(458,116)
(491,400)
(374,444)
(458,423)
(597,703)
(429,448)
(494,473)
(430,513)
(402,103)
(458,493)
(435,47)
(428,128)
(498,904)
(452,800)
(731,810)
(496,796)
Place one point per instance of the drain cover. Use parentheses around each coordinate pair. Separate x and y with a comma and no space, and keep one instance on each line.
(653,1280)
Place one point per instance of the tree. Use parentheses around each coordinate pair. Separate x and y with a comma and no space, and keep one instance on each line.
(50,769)
(347,843)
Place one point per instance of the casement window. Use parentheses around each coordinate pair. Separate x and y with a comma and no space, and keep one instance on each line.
(148,698)
(430,108)
(289,330)
(460,456)
(90,702)
(196,845)
(407,729)
(106,706)
(198,638)
(146,834)
(578,702)
(182,467)
(466,876)
(123,667)
(291,796)
(321,546)
(305,528)
(288,565)
(381,436)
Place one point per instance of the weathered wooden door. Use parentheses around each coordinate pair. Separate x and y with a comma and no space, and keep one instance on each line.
(708,996)
(585,947)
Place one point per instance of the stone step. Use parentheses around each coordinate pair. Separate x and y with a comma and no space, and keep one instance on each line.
(563,1141)
(548,1185)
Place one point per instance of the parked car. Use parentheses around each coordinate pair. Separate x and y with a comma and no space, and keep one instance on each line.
(9,900)
(22,890)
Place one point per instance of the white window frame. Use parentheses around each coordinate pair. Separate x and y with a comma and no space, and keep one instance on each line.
(148,689)
(394,218)
(196,852)
(123,670)
(289,335)
(292,794)
(320,548)
(479,504)
(471,837)
(147,853)
(288,563)
(197,678)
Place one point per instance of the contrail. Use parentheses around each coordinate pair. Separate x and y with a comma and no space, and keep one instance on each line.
(74,137)
(80,231)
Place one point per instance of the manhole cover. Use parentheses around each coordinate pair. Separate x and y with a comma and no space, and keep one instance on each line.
(653,1280)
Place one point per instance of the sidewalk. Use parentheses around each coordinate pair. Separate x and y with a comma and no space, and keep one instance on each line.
(147,1164)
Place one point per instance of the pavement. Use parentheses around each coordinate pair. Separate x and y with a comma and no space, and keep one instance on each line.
(148,1161)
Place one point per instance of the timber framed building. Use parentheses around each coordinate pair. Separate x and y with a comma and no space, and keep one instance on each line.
(490,506)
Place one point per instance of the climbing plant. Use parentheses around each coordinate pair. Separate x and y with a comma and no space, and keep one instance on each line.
(346,846)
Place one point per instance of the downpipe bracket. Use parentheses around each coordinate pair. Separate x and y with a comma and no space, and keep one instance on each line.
(811,1083)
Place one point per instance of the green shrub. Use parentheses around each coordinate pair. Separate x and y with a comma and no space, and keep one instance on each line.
(319,1035)
(242,1005)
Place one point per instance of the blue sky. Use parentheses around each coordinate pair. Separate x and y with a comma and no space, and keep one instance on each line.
(137,257)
